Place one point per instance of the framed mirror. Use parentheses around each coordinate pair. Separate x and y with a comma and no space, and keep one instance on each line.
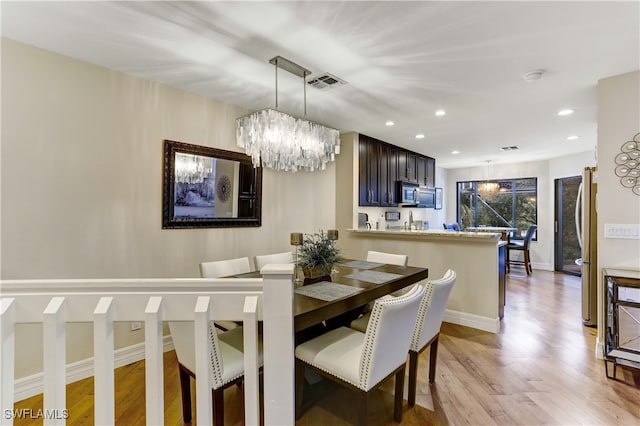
(205,187)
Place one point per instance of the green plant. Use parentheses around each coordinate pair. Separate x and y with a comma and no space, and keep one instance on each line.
(318,249)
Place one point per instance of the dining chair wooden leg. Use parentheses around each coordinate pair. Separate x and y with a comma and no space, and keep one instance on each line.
(217,395)
(527,262)
(433,357)
(364,409)
(413,377)
(299,388)
(399,395)
(185,390)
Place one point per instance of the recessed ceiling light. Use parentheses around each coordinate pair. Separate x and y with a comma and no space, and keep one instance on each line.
(455,152)
(567,111)
(441,112)
(389,123)
(572,137)
(419,136)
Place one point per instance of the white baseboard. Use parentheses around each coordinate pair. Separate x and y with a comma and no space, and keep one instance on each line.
(491,325)
(26,387)
(542,266)
(535,266)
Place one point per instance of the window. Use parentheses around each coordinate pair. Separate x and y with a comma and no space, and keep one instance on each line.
(505,202)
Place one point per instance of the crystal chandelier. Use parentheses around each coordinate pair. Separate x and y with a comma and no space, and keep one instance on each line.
(488,190)
(282,142)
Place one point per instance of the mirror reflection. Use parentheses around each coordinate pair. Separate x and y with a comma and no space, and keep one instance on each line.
(208,187)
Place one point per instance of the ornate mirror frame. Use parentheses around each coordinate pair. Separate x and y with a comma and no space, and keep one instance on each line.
(195,182)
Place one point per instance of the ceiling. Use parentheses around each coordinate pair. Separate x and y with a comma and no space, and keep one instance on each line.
(402,61)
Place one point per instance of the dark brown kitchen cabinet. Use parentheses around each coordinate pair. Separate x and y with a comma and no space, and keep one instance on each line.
(382,165)
(431,172)
(407,170)
(412,169)
(369,159)
(388,175)
(421,166)
(402,165)
(426,171)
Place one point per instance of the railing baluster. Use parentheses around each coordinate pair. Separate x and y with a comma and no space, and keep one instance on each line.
(104,380)
(53,303)
(153,362)
(277,302)
(54,351)
(7,356)
(251,386)
(203,360)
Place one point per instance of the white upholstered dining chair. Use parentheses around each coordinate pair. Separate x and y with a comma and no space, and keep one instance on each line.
(361,361)
(427,327)
(427,331)
(279,258)
(227,357)
(224,268)
(227,364)
(390,258)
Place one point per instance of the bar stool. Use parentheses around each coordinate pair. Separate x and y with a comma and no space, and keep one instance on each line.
(523,246)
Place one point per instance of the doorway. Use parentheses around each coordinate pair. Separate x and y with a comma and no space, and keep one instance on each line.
(567,248)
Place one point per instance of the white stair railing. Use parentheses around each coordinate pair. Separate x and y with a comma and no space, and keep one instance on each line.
(54,303)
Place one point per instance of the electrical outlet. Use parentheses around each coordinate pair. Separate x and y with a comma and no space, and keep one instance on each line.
(136,325)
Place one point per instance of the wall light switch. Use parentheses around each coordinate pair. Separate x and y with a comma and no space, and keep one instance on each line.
(629,231)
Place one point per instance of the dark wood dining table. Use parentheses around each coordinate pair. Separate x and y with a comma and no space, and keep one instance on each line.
(309,311)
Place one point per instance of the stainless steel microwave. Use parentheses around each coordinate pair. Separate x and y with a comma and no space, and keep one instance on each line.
(407,192)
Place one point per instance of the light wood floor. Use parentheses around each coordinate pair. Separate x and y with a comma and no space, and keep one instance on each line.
(540,369)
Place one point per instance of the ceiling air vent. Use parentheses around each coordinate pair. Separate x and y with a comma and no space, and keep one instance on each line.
(509,148)
(326,81)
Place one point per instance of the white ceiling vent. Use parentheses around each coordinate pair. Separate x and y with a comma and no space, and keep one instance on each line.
(509,148)
(326,81)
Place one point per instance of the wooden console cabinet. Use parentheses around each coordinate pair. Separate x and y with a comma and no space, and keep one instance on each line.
(622,345)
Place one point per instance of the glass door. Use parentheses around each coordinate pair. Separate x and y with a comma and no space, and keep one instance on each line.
(567,248)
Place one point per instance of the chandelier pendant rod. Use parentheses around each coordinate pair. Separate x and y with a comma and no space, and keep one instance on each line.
(295,69)
(276,66)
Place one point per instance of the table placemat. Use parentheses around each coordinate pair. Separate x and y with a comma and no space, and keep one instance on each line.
(327,291)
(362,264)
(373,276)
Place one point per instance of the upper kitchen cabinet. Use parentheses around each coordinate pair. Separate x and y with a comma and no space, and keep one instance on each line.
(407,167)
(426,171)
(369,170)
(431,172)
(382,165)
(388,175)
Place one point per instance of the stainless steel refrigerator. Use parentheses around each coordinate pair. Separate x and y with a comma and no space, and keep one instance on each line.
(586,222)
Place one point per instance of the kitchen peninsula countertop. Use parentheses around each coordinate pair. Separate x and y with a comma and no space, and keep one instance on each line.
(487,237)
(477,299)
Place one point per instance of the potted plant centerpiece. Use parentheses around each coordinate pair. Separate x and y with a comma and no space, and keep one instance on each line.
(318,253)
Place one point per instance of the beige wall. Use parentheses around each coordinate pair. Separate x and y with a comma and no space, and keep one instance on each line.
(618,122)
(82,182)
